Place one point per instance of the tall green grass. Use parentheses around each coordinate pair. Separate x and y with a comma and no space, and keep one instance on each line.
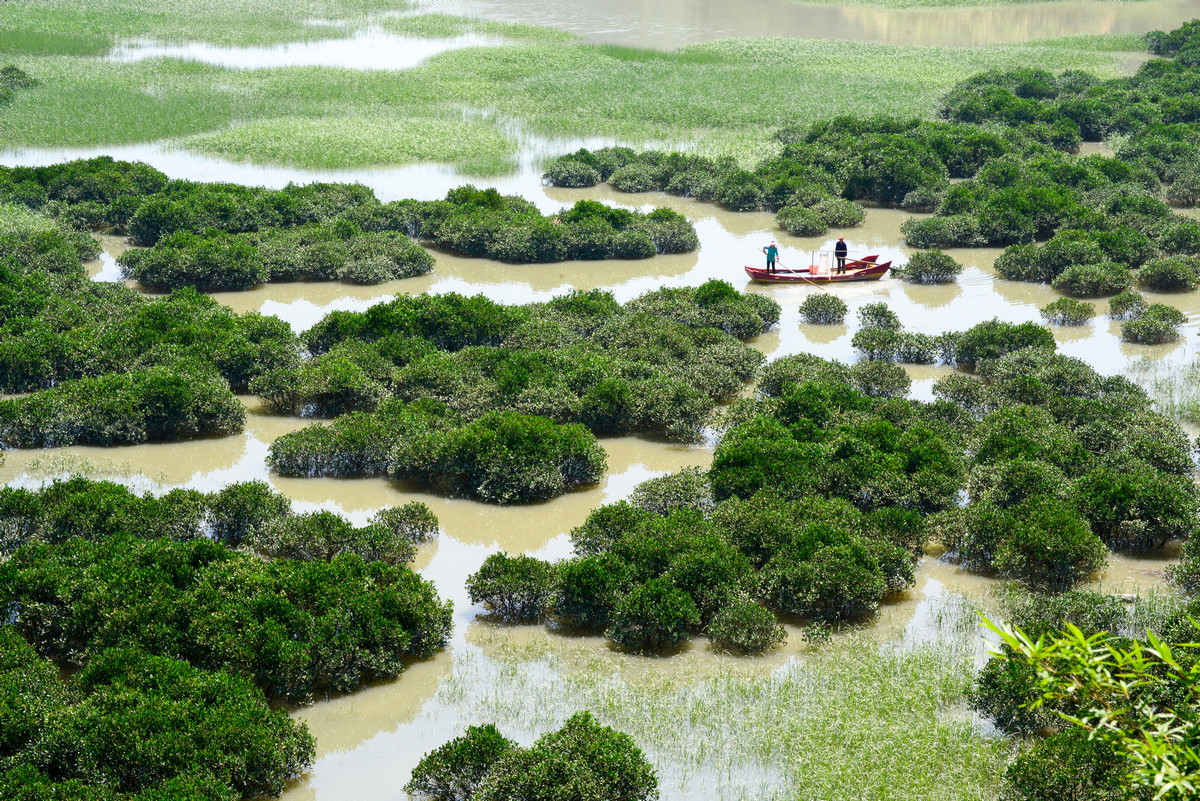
(1173,386)
(850,719)
(916,4)
(475,147)
(720,97)
(79,28)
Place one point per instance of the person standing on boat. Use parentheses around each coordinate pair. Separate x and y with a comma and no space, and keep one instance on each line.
(772,253)
(839,252)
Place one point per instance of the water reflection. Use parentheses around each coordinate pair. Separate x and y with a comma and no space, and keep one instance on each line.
(667,24)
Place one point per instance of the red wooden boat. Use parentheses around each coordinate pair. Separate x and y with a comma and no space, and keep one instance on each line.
(868,268)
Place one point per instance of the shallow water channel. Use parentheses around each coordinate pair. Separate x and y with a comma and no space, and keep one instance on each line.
(369,741)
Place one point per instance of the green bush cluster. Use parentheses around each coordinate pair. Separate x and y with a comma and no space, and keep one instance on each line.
(1153,324)
(160,404)
(672,562)
(582,761)
(502,457)
(291,627)
(823,309)
(929,267)
(482,222)
(1172,274)
(1068,311)
(56,325)
(814,180)
(658,364)
(217,262)
(883,339)
(131,725)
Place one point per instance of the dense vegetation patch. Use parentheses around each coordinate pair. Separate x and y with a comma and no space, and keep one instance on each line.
(658,364)
(247,514)
(291,627)
(500,456)
(130,725)
(582,761)
(821,496)
(12,80)
(216,236)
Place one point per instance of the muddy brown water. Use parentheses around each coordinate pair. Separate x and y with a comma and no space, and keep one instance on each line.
(667,24)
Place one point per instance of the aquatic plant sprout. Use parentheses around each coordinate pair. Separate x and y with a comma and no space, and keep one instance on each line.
(851,718)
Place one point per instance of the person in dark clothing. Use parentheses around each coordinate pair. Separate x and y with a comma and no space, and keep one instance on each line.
(839,251)
(772,253)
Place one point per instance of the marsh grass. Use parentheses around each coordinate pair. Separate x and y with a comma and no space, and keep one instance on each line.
(1173,386)
(38,27)
(918,4)
(720,98)
(20,220)
(849,719)
(475,147)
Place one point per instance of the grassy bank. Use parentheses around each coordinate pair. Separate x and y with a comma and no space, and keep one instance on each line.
(718,98)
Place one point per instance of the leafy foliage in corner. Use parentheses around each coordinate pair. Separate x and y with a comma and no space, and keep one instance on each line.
(130,724)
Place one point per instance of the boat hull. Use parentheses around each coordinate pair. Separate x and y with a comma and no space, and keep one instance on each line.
(858,270)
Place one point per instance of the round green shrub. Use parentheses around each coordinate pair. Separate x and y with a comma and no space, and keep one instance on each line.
(922,200)
(929,267)
(876,343)
(878,315)
(635,177)
(822,308)
(687,489)
(324,535)
(454,771)
(880,379)
(839,213)
(653,616)
(1068,311)
(184,259)
(1184,192)
(571,174)
(1126,305)
(632,245)
(582,761)
(801,221)
(670,231)
(1157,324)
(993,338)
(503,457)
(514,588)
(588,590)
(959,230)
(745,626)
(1020,263)
(826,575)
(1093,280)
(712,576)
(800,368)
(239,510)
(1170,274)
(414,521)
(965,391)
